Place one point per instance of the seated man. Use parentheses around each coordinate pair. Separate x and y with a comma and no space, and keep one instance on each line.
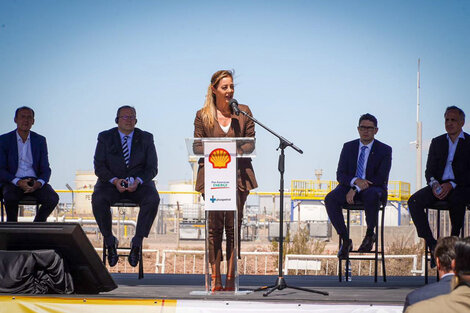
(363,170)
(125,163)
(24,168)
(448,164)
(445,254)
(458,299)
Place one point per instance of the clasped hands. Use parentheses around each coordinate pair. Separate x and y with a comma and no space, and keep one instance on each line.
(130,187)
(362,184)
(446,188)
(29,185)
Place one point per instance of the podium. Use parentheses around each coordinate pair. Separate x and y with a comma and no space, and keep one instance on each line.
(220,156)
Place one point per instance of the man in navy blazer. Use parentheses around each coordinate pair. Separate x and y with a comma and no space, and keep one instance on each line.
(362,173)
(24,168)
(449,164)
(125,163)
(445,253)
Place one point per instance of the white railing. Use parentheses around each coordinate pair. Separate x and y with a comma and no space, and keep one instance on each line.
(297,262)
(308,262)
(244,255)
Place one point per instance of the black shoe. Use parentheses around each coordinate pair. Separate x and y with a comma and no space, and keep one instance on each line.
(113,256)
(134,256)
(346,246)
(367,243)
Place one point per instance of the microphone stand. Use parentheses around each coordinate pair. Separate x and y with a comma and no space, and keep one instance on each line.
(280,283)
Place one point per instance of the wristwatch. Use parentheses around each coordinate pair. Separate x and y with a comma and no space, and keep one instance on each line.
(354,188)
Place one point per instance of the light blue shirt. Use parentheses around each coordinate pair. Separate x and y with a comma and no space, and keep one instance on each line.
(366,157)
(129,146)
(25,160)
(448,171)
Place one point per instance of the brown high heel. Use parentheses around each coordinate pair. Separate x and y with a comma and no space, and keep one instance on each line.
(229,283)
(216,283)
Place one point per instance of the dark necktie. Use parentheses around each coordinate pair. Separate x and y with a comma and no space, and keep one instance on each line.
(360,162)
(125,150)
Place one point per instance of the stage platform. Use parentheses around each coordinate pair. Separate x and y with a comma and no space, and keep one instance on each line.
(175,293)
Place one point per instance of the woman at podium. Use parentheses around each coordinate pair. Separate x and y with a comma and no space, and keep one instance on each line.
(217,119)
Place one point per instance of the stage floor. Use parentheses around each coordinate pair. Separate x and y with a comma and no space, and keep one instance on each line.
(175,293)
(360,290)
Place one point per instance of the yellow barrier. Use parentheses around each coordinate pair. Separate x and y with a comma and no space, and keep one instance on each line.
(318,189)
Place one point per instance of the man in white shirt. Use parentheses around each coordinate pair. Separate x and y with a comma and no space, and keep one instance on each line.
(449,164)
(24,168)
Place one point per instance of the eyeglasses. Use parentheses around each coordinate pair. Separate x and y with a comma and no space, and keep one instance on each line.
(127,117)
(366,128)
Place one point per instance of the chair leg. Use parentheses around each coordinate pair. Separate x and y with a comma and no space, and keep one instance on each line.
(340,273)
(376,251)
(141,264)
(382,249)
(426,255)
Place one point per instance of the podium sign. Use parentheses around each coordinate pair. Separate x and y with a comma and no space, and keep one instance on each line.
(220,180)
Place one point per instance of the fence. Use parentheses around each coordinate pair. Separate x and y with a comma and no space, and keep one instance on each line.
(255,263)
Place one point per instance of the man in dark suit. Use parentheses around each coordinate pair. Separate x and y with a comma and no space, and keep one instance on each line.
(445,253)
(24,168)
(363,170)
(125,163)
(449,164)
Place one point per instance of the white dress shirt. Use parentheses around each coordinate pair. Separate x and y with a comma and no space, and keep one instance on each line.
(25,160)
(366,157)
(448,172)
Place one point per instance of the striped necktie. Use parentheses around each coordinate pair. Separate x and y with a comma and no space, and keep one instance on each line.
(360,162)
(125,150)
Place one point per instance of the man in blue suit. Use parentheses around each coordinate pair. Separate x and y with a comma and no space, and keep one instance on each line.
(125,163)
(24,168)
(444,253)
(362,173)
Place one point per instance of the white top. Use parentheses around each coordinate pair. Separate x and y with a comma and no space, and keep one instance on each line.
(225,128)
(25,160)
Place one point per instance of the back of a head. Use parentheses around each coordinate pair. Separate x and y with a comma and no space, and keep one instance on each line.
(462,257)
(445,252)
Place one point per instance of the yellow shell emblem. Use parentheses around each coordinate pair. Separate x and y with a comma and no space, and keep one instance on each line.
(219,158)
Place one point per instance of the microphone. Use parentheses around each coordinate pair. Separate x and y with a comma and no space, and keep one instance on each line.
(234,106)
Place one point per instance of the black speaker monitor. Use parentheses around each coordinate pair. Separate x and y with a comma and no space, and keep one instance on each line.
(89,274)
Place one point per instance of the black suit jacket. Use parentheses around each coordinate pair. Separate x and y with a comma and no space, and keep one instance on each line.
(9,157)
(441,287)
(378,163)
(437,159)
(109,159)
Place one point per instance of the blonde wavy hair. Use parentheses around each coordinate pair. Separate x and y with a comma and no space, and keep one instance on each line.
(208,112)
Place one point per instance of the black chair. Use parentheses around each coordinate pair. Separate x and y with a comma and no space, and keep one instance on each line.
(27,200)
(438,206)
(376,251)
(130,204)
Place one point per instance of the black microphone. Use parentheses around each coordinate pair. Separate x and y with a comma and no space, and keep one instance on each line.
(234,105)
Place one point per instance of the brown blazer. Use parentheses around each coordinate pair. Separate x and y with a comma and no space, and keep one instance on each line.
(241,126)
(456,301)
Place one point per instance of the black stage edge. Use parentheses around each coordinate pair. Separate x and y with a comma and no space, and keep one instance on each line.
(89,274)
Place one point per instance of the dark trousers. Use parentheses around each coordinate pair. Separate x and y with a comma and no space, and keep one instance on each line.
(457,198)
(370,197)
(45,196)
(106,195)
(218,220)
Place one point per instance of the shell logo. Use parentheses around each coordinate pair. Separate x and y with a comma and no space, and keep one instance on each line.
(219,158)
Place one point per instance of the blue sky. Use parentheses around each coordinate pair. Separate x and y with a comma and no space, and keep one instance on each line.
(307,69)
